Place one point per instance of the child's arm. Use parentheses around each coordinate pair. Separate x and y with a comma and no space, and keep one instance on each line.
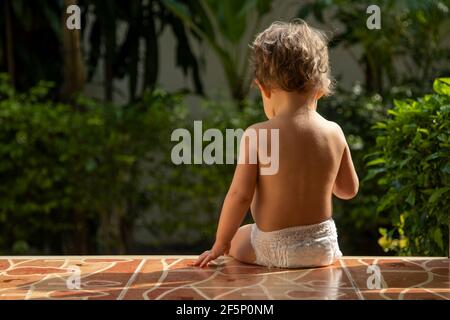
(346,184)
(235,206)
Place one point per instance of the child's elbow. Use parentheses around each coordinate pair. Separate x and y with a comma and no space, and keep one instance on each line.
(346,193)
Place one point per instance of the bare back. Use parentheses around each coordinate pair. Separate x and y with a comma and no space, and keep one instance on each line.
(300,193)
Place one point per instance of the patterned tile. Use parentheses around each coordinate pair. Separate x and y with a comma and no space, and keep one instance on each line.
(402,278)
(171,277)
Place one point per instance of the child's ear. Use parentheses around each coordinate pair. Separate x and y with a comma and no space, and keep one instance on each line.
(265,91)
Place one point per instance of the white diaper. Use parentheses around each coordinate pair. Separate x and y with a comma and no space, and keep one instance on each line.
(302,246)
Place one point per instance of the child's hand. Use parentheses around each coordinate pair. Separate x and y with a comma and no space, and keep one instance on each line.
(216,251)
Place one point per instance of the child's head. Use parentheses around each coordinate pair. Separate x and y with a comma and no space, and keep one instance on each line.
(292,57)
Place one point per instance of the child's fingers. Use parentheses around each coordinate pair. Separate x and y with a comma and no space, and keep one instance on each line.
(201,258)
(206,260)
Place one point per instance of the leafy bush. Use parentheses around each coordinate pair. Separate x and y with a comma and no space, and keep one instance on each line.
(387,55)
(91,178)
(412,164)
(71,176)
(356,111)
(188,198)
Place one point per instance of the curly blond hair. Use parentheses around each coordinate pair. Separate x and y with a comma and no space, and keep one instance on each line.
(293,57)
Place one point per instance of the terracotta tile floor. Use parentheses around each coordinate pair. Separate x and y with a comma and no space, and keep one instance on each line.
(170,277)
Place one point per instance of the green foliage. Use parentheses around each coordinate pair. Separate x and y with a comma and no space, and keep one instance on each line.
(412,164)
(387,58)
(32,24)
(223,25)
(188,197)
(143,22)
(389,55)
(82,178)
(85,178)
(356,111)
(72,175)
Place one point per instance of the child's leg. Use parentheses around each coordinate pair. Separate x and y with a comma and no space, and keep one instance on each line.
(241,248)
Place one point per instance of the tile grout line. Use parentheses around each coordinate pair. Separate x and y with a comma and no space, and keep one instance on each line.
(162,277)
(352,281)
(131,280)
(427,266)
(30,290)
(215,273)
(436,293)
(430,277)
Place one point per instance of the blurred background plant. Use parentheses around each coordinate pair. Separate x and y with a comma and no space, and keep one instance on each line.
(84,175)
(223,27)
(412,162)
(409,49)
(72,174)
(398,61)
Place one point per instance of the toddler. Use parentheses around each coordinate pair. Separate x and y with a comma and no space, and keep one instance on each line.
(292,208)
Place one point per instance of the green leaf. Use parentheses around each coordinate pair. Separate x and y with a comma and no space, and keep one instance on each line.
(392,112)
(401,103)
(423,130)
(379,125)
(386,202)
(446,168)
(372,173)
(442,86)
(90,165)
(438,238)
(368,155)
(439,154)
(411,199)
(375,162)
(179,9)
(437,193)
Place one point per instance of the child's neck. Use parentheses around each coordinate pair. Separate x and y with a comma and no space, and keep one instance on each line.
(293,103)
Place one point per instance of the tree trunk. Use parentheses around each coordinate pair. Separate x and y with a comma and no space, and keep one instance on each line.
(74,71)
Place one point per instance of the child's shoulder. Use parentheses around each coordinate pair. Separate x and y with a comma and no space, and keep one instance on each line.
(331,127)
(335,129)
(268,124)
(335,133)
